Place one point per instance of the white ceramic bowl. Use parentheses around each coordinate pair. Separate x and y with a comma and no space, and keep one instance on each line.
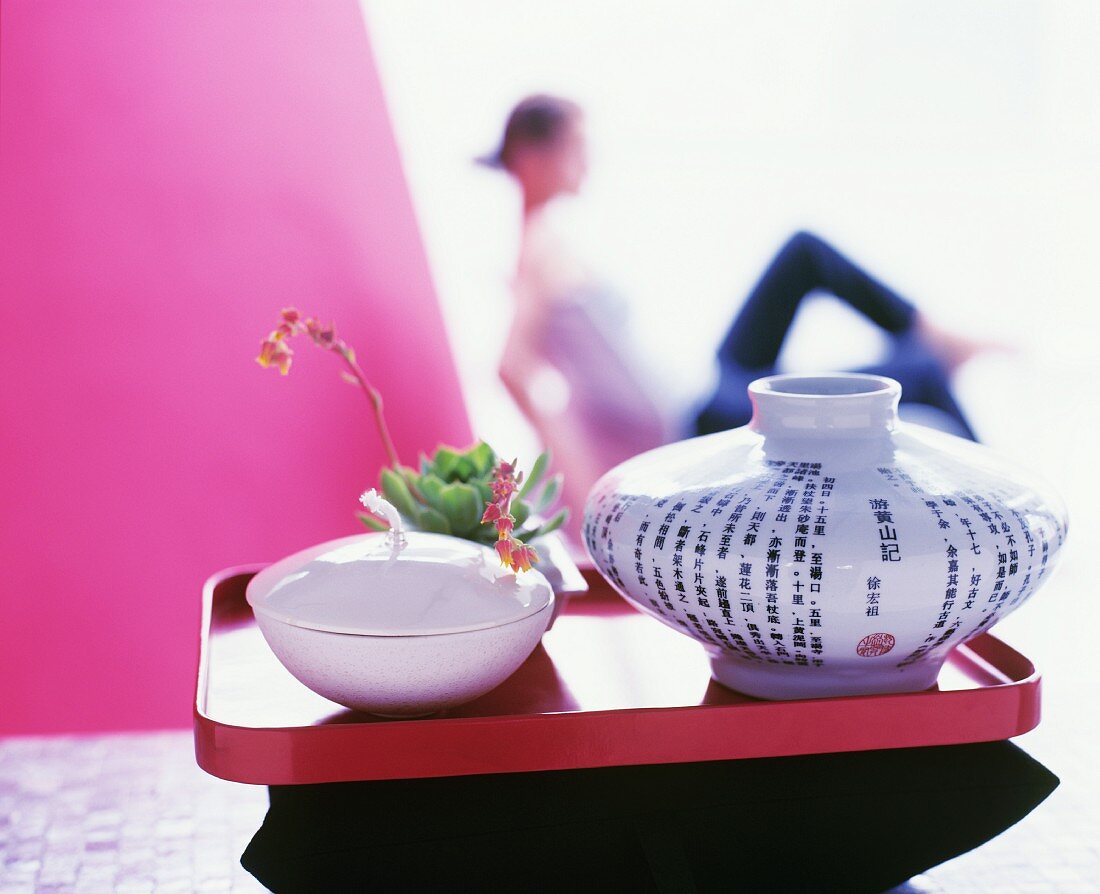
(400,632)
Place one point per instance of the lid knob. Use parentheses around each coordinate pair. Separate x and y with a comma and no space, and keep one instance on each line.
(379,505)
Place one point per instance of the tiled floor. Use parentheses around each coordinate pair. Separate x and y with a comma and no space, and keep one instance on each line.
(120,813)
(134,814)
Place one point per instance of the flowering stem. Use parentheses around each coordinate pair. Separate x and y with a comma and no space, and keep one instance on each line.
(275,351)
(513,553)
(376,405)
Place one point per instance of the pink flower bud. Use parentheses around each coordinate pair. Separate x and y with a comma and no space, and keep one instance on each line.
(275,353)
(523,557)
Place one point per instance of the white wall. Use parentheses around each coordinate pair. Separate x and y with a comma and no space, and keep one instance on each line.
(949,146)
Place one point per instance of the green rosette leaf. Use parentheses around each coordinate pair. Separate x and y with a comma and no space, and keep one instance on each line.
(445,461)
(536,473)
(549,493)
(547,527)
(520,512)
(464,469)
(483,457)
(463,507)
(431,488)
(397,492)
(432,521)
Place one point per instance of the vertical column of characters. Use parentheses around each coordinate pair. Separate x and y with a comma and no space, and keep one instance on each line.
(951,590)
(816,535)
(804,586)
(753,531)
(612,528)
(598,533)
(933,640)
(951,582)
(771,567)
(705,613)
(640,568)
(745,575)
(889,547)
(729,529)
(906,481)
(594,522)
(771,596)
(969,583)
(798,556)
(719,507)
(667,607)
(683,532)
(874,597)
(722,586)
(1025,556)
(696,613)
(996,537)
(678,544)
(1039,530)
(1044,552)
(993,511)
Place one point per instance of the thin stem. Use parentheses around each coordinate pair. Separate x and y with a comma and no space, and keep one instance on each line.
(376,405)
(275,350)
(506,510)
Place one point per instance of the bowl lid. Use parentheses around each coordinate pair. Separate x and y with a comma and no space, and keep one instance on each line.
(379,585)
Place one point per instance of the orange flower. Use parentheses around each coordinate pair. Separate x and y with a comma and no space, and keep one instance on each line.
(513,553)
(275,352)
(523,557)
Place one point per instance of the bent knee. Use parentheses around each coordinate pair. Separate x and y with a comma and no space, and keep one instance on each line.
(803,241)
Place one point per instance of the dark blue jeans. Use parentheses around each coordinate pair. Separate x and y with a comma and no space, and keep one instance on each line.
(751,347)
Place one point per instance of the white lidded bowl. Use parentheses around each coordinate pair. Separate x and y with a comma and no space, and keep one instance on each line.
(400,626)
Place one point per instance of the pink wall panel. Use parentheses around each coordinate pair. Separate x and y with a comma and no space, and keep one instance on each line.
(172,175)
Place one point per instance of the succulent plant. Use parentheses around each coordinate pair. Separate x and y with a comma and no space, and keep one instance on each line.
(467,493)
(450,492)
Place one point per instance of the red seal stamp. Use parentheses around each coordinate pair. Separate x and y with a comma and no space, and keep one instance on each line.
(875,644)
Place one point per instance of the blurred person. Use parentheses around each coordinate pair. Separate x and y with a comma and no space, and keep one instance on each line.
(572,370)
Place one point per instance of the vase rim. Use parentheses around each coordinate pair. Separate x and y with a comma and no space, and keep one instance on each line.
(824,403)
(826,386)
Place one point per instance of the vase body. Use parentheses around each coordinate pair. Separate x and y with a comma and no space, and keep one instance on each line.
(826,548)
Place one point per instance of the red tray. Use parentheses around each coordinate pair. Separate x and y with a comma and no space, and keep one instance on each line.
(607,687)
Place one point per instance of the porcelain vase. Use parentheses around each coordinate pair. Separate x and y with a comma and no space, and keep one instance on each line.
(826,548)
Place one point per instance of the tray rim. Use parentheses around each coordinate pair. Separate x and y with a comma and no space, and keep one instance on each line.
(290,755)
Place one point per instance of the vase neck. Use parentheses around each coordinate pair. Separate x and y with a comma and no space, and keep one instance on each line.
(832,404)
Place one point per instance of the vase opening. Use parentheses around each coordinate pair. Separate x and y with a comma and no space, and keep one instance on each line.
(831,402)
